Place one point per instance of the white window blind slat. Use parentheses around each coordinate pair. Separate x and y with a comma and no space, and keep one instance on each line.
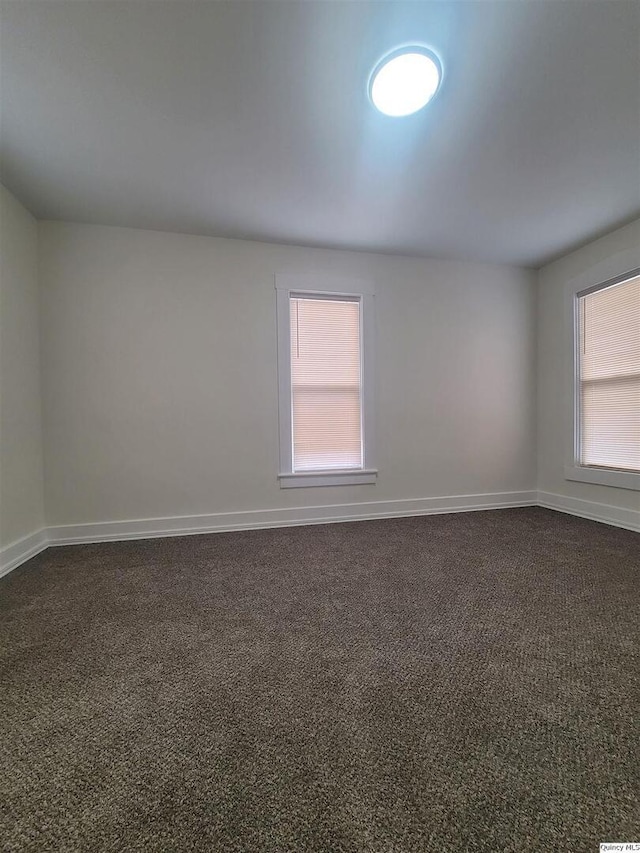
(609,357)
(326,393)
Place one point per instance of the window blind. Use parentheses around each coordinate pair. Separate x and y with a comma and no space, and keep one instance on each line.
(326,383)
(609,359)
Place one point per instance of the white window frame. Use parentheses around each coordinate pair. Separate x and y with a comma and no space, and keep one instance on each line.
(319,285)
(575,470)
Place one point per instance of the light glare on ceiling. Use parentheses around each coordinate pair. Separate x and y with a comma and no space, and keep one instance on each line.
(405,82)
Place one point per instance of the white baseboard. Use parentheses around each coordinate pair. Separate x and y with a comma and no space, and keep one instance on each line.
(607,514)
(110,531)
(18,552)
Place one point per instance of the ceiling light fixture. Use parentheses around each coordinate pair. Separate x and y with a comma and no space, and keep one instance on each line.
(404,81)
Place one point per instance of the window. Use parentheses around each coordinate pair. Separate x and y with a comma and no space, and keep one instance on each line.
(325,382)
(608,380)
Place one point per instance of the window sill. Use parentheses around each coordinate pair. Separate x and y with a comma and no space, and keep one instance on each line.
(305,479)
(603,477)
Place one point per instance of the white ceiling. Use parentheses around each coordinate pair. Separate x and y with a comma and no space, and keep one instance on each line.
(251,119)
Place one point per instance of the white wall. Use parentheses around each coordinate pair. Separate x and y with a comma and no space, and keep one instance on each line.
(597,262)
(160,385)
(21,482)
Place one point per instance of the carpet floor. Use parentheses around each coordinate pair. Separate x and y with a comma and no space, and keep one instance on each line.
(448,683)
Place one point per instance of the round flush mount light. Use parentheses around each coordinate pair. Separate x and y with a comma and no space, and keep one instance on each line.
(404,81)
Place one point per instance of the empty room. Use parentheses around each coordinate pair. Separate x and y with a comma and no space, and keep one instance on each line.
(319,426)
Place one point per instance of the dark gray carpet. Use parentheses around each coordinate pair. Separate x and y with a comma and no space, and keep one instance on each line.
(451,683)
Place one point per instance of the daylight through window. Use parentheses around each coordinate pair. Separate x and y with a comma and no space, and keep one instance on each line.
(609,376)
(326,383)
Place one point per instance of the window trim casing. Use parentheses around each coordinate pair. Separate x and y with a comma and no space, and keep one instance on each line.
(575,470)
(319,285)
